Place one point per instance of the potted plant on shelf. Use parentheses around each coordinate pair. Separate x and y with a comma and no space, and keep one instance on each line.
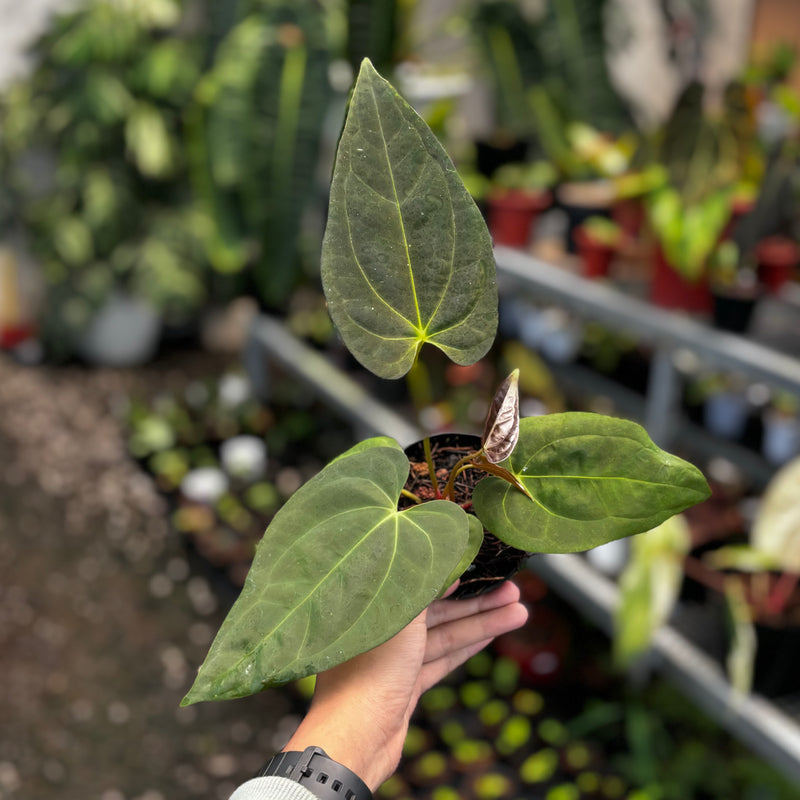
(777,257)
(518,194)
(587,161)
(781,437)
(725,404)
(360,549)
(754,583)
(685,234)
(734,286)
(598,238)
(689,212)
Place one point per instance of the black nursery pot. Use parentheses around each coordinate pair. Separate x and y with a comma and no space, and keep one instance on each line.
(496,561)
(490,156)
(775,674)
(733,309)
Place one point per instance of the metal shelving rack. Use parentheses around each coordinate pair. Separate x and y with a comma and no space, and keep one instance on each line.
(665,331)
(758,723)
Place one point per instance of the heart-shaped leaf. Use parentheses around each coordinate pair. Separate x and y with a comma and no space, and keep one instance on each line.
(591,479)
(407,257)
(473,546)
(339,571)
(501,432)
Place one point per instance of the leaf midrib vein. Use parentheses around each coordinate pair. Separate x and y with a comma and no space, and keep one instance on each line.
(294,610)
(364,275)
(524,475)
(399,213)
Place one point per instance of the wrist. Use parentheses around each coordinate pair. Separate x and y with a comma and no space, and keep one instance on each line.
(373,757)
(317,772)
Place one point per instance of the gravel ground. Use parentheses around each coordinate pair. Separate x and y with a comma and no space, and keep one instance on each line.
(102,621)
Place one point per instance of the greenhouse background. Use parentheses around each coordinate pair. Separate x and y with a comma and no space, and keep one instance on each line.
(170,376)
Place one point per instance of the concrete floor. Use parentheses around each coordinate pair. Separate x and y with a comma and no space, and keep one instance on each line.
(102,622)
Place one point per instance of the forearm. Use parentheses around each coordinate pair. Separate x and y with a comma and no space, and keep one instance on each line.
(353,739)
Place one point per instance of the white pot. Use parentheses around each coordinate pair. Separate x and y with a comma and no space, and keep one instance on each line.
(244,457)
(123,333)
(725,414)
(781,440)
(204,485)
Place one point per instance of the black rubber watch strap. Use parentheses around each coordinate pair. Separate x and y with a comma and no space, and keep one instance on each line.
(320,774)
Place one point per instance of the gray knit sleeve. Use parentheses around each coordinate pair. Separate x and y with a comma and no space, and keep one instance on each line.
(272,788)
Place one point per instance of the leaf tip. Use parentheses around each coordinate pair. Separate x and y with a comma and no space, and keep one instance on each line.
(367,67)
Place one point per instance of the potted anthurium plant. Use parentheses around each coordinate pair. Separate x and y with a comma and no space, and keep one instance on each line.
(519,193)
(361,548)
(757,580)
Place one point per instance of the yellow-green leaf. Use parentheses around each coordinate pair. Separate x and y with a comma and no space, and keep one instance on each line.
(591,479)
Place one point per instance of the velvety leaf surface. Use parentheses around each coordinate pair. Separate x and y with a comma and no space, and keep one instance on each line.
(407,257)
(339,571)
(501,432)
(473,546)
(591,478)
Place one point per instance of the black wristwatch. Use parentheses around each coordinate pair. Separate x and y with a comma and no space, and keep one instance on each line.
(320,774)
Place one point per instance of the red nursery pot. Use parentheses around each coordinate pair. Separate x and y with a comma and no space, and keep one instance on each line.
(512,214)
(628,213)
(777,260)
(13,335)
(596,255)
(670,289)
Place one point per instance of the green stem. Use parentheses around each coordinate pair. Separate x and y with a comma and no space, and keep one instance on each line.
(410,496)
(418,382)
(460,466)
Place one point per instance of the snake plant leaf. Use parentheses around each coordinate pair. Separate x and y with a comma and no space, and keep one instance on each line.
(591,479)
(501,432)
(338,571)
(406,257)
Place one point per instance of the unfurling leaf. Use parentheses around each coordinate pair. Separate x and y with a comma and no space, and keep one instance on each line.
(590,479)
(501,432)
(339,571)
(407,257)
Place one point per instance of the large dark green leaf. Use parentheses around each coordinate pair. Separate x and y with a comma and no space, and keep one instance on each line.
(473,547)
(591,478)
(338,571)
(406,258)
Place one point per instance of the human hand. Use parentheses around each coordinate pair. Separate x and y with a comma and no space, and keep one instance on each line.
(361,709)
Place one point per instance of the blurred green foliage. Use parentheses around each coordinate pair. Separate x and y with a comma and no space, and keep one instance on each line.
(91,154)
(254,138)
(159,146)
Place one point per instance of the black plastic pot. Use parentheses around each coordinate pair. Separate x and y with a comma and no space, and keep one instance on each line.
(490,156)
(775,673)
(496,561)
(733,308)
(581,200)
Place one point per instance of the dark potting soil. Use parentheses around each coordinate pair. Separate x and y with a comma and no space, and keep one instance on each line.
(496,561)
